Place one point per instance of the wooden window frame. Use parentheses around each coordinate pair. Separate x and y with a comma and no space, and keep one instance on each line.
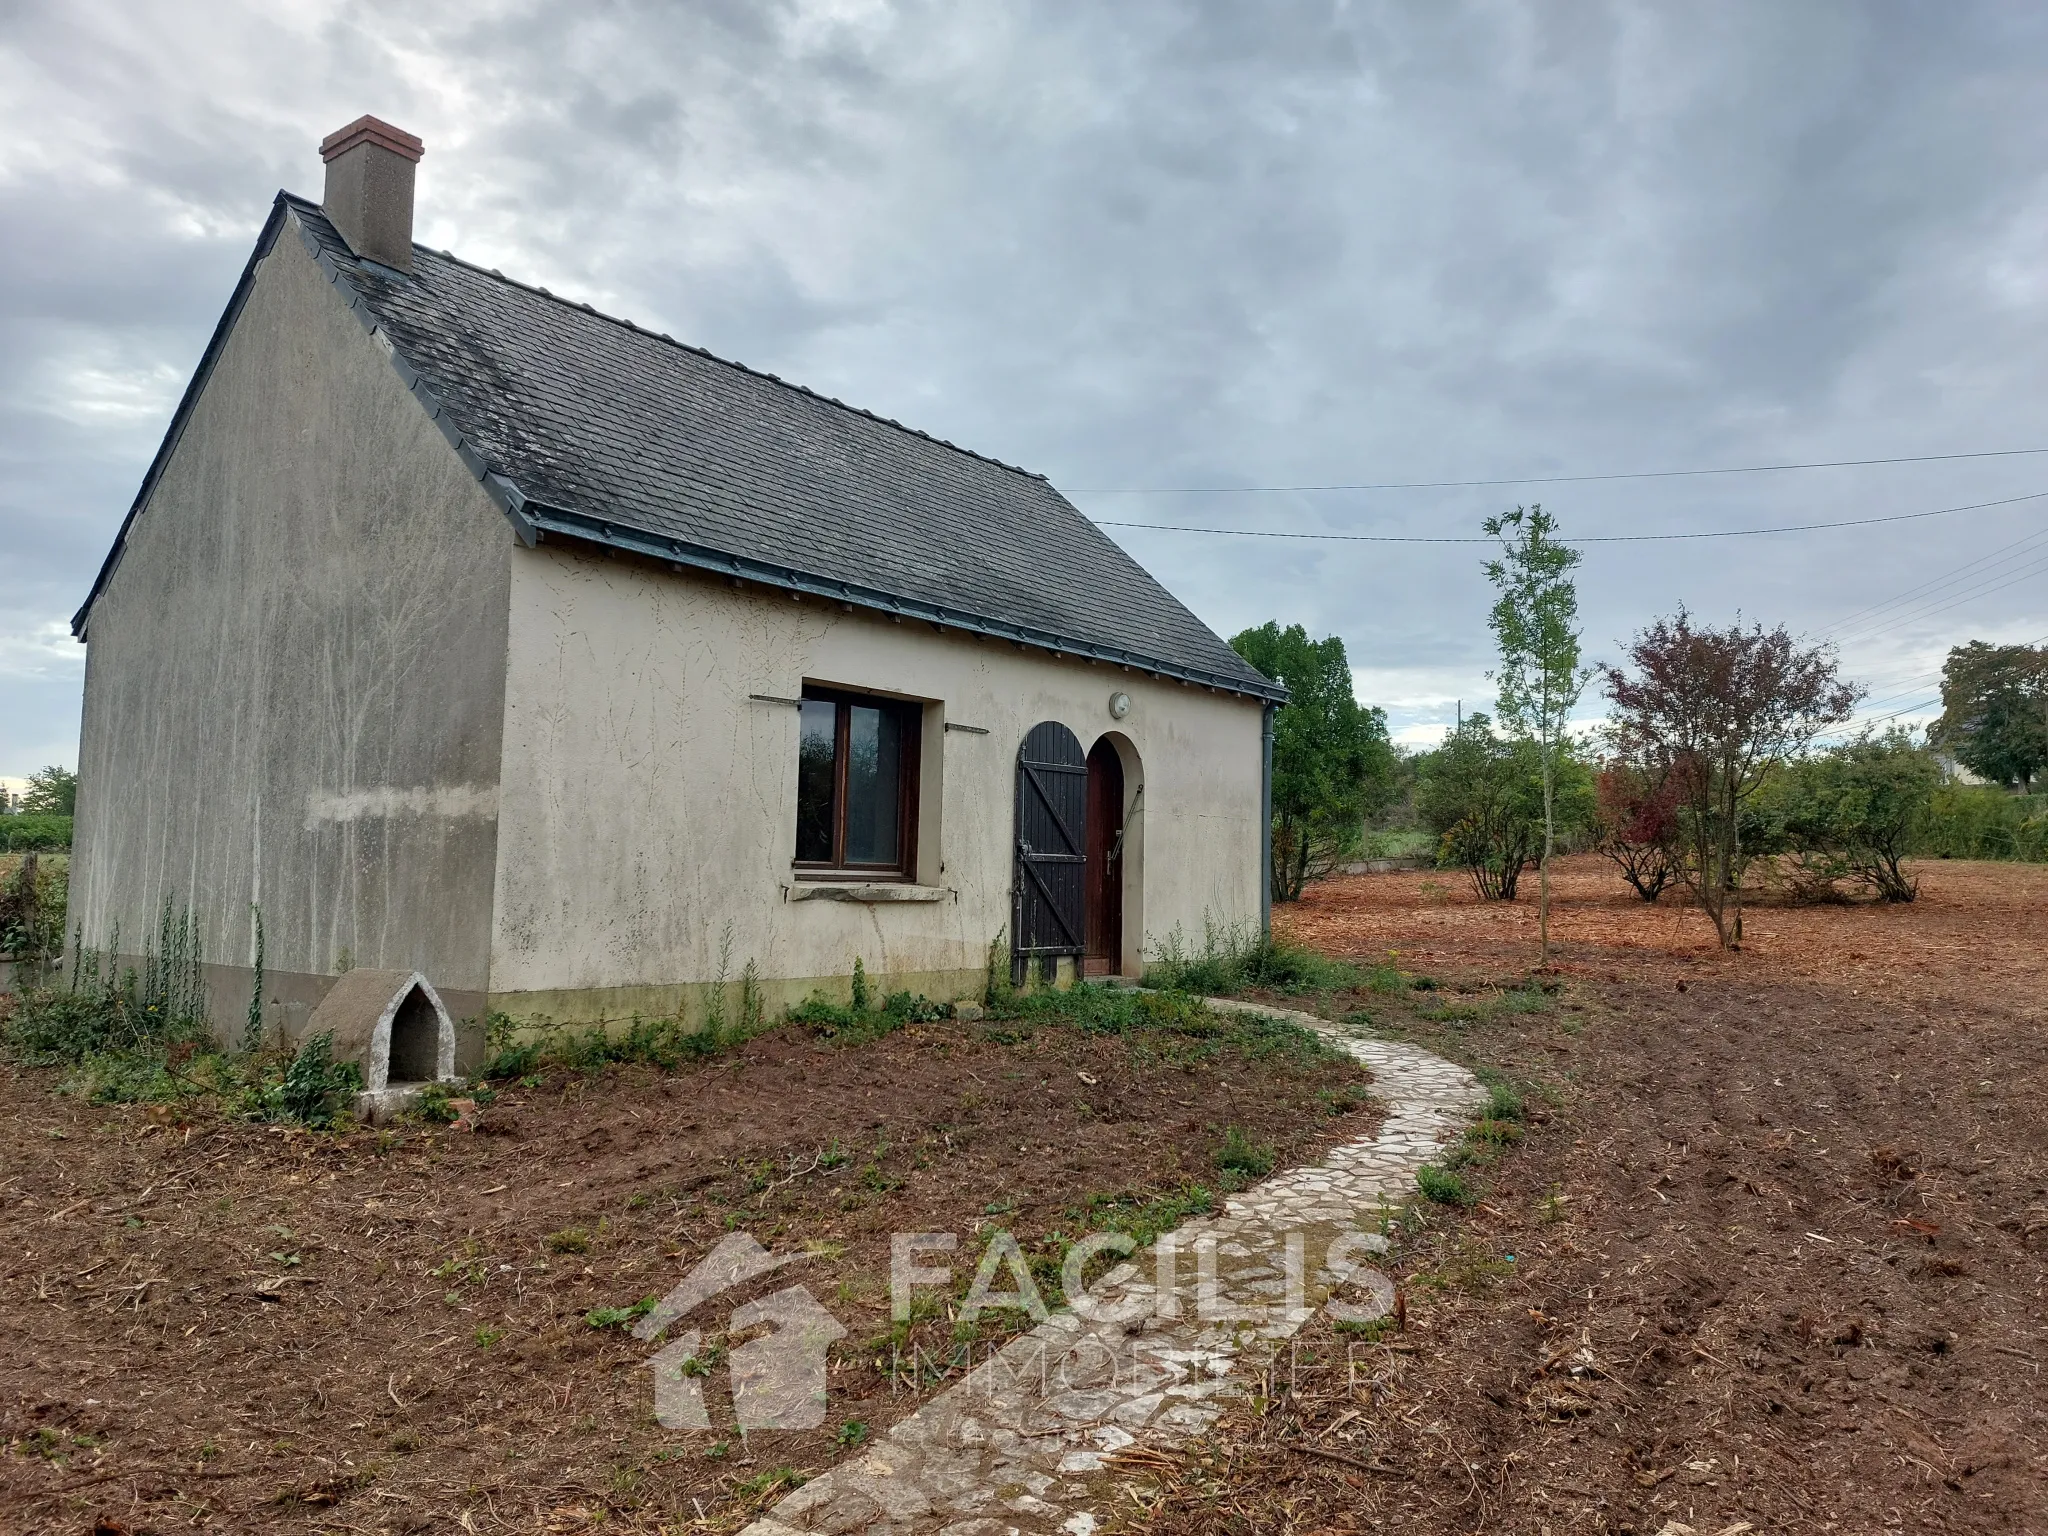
(910,726)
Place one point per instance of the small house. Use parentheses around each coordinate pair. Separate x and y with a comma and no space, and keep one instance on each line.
(462,631)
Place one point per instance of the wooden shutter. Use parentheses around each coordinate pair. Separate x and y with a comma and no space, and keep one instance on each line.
(1052,814)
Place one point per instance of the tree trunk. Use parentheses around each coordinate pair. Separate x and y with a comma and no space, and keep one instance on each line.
(1735,853)
(1543,880)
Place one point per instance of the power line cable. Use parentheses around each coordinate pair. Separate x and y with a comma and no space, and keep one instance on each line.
(1610,538)
(1928,610)
(1849,622)
(1633,474)
(1864,721)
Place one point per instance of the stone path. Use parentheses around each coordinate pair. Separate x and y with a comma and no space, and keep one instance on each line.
(1019,1444)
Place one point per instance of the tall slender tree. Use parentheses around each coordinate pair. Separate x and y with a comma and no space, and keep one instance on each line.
(1535,622)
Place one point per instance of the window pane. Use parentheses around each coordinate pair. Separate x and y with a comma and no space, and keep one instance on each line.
(814,781)
(875,748)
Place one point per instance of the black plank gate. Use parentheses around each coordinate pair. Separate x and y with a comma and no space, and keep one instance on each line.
(1049,909)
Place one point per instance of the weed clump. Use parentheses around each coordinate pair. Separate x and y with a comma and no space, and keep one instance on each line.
(1240,1155)
(314,1088)
(1237,958)
(861,1021)
(1443,1186)
(140,1034)
(619,1317)
(1503,1102)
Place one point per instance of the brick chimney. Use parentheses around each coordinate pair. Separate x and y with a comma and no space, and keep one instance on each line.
(369,189)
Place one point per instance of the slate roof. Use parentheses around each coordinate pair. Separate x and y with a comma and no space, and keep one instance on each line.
(587,426)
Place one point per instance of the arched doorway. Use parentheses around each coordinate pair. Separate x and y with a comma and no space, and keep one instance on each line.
(1048,920)
(1103,880)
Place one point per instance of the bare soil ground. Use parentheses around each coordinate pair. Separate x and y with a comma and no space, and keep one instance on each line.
(1771,1258)
(227,1326)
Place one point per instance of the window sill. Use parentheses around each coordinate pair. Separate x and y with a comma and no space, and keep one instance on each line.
(872,892)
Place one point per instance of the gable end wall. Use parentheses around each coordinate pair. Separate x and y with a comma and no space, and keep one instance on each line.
(295,675)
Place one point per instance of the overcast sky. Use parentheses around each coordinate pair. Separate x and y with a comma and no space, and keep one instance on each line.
(1140,245)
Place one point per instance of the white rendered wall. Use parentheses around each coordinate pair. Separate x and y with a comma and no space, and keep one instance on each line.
(648,804)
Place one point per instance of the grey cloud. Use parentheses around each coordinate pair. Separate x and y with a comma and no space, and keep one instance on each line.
(1151,244)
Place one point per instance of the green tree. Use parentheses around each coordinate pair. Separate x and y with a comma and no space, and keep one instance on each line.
(52,792)
(1482,795)
(1332,760)
(1855,811)
(1535,622)
(1994,711)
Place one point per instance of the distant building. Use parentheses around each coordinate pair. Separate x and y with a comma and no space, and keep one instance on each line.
(467,631)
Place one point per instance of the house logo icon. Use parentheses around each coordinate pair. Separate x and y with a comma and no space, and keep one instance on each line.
(777,1378)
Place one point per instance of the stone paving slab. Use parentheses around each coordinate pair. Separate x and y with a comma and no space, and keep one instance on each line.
(1018,1445)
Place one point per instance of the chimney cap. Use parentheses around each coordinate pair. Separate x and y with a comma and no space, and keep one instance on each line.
(371,130)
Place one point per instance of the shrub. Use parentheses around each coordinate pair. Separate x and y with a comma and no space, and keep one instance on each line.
(1482,795)
(1637,825)
(1443,1186)
(32,833)
(32,908)
(1855,812)
(1981,821)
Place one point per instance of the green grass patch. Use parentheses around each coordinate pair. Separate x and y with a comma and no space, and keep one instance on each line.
(1371,1330)
(1386,980)
(1240,1155)
(1503,1099)
(1174,1026)
(762,1485)
(1239,958)
(1468,1267)
(619,1317)
(1497,1134)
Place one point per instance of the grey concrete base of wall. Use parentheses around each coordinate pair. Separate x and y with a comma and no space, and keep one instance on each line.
(533,1013)
(20,975)
(380,1106)
(289,999)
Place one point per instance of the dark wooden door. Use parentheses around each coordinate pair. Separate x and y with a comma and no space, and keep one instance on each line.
(1052,818)
(1105,882)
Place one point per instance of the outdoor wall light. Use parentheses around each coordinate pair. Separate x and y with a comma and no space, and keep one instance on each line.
(1119,705)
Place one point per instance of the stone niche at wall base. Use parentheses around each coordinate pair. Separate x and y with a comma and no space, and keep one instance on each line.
(394,1026)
